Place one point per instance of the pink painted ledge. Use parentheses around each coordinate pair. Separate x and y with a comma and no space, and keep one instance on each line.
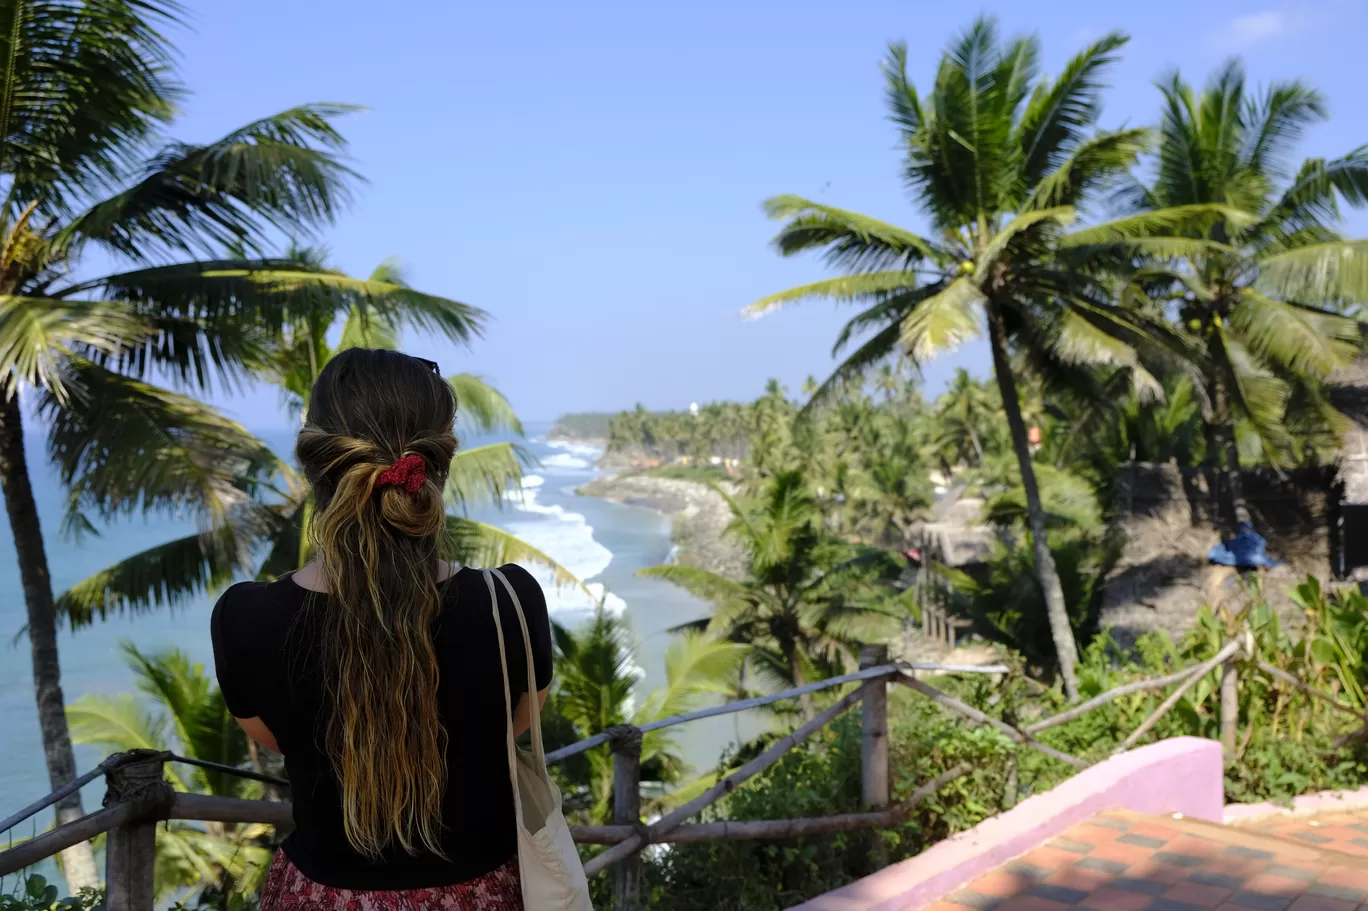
(1305,805)
(1179,775)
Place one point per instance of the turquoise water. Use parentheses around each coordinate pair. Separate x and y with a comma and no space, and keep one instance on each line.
(603,543)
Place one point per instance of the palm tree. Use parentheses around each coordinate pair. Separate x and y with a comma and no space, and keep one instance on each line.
(87,87)
(1262,302)
(189,718)
(594,690)
(799,611)
(1000,163)
(965,415)
(276,513)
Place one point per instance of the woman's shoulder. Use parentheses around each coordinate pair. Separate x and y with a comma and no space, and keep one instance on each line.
(252,604)
(524,584)
(516,575)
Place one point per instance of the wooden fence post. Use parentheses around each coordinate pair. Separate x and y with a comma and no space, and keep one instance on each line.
(626,746)
(1230,706)
(874,744)
(131,849)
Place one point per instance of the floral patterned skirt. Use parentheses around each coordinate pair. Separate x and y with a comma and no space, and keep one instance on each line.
(287,889)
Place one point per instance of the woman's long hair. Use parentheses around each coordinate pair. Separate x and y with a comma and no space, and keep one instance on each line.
(380,548)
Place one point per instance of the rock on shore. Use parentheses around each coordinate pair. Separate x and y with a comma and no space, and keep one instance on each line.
(699,515)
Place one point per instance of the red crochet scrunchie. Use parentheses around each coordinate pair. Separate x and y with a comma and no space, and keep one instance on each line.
(409,473)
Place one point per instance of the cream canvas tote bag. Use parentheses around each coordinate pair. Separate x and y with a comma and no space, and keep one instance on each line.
(552,877)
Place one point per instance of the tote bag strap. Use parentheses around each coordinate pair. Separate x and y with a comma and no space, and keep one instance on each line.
(508,698)
(533,709)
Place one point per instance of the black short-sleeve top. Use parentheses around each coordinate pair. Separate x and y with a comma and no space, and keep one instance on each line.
(266,656)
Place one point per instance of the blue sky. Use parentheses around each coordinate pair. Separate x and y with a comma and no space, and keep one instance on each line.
(592,173)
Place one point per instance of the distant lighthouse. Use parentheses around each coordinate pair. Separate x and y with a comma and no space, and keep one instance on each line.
(693,409)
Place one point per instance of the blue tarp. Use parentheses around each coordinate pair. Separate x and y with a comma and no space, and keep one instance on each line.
(1246,550)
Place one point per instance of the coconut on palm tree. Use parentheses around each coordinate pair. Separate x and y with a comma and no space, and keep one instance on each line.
(186,716)
(800,610)
(1000,162)
(1262,303)
(87,89)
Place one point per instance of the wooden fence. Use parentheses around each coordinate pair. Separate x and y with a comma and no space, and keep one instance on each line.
(138,796)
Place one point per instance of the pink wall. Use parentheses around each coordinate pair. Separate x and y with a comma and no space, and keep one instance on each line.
(1181,775)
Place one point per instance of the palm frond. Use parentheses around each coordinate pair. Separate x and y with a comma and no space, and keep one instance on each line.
(849,239)
(485,474)
(1175,223)
(1335,272)
(363,329)
(480,544)
(875,350)
(1002,241)
(288,543)
(169,576)
(1277,121)
(1058,113)
(904,105)
(701,583)
(1305,341)
(130,446)
(481,407)
(1256,394)
(38,337)
(1314,188)
(86,85)
(942,321)
(116,723)
(1097,161)
(397,304)
(844,289)
(281,171)
(1081,341)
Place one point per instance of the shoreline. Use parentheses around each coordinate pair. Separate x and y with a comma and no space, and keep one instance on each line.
(698,517)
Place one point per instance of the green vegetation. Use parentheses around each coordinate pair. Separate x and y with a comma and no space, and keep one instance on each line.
(808,599)
(1288,746)
(586,426)
(188,717)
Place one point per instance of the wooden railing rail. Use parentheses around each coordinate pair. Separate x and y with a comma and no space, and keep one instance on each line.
(138,796)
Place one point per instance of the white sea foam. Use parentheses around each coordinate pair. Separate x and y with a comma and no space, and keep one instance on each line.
(564,460)
(567,538)
(587,450)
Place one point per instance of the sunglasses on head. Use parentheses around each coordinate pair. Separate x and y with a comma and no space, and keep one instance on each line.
(431,365)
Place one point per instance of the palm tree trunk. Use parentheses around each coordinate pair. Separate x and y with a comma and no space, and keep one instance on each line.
(78,862)
(1066,650)
(1225,434)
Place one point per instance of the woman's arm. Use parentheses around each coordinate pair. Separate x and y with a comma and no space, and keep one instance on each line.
(521,719)
(257,730)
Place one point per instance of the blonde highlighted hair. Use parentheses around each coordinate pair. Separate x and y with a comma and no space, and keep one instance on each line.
(380,550)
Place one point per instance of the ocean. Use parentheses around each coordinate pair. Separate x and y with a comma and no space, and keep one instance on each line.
(602,543)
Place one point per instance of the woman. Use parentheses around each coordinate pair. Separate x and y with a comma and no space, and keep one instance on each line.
(375,668)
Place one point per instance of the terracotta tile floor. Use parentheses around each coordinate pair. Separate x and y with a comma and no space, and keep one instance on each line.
(1344,832)
(1127,862)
